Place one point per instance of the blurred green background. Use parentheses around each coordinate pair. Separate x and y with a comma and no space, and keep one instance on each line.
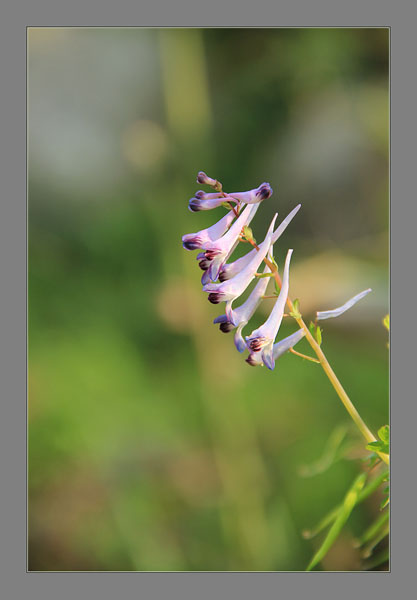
(152,444)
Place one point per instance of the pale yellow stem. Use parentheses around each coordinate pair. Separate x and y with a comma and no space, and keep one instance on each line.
(347,403)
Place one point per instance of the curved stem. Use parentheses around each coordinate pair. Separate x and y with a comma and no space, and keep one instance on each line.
(347,403)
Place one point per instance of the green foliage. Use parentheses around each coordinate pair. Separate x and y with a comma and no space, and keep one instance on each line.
(316,332)
(295,313)
(383,434)
(383,444)
(332,452)
(248,234)
(373,530)
(342,516)
(378,560)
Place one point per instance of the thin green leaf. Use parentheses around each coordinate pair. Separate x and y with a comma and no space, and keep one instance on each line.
(378,560)
(247,232)
(274,262)
(331,454)
(367,551)
(318,335)
(373,529)
(384,503)
(330,517)
(378,447)
(296,309)
(327,520)
(277,288)
(348,505)
(383,434)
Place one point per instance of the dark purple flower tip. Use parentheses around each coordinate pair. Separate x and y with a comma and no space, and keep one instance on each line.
(256,344)
(223,276)
(252,361)
(191,242)
(264,191)
(204,264)
(215,297)
(226,327)
(203,178)
(194,205)
(200,194)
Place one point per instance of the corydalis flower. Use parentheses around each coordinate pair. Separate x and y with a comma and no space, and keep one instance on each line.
(230,270)
(203,201)
(193,241)
(262,339)
(254,359)
(328,314)
(206,180)
(241,315)
(254,196)
(217,251)
(233,288)
(203,262)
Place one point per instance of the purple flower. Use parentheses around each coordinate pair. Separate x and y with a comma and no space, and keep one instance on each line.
(193,241)
(206,180)
(262,339)
(255,358)
(328,314)
(233,288)
(254,196)
(203,201)
(230,270)
(241,315)
(218,250)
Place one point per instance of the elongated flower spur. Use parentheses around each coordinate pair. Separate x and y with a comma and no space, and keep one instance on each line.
(225,281)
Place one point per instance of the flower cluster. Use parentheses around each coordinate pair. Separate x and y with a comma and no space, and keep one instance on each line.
(226,281)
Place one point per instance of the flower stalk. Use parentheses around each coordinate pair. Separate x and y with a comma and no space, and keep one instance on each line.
(347,403)
(226,282)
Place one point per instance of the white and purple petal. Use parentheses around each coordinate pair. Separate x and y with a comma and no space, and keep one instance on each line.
(233,288)
(194,241)
(255,358)
(230,270)
(262,338)
(254,196)
(336,312)
(217,251)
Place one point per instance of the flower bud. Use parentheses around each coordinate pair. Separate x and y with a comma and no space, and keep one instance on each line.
(206,180)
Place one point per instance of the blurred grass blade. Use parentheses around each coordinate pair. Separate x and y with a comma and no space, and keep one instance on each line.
(378,560)
(367,551)
(330,454)
(373,486)
(331,516)
(327,520)
(384,503)
(348,505)
(373,529)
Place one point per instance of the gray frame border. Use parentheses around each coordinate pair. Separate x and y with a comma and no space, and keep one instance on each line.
(15,581)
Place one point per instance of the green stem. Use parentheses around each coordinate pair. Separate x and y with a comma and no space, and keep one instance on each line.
(347,403)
